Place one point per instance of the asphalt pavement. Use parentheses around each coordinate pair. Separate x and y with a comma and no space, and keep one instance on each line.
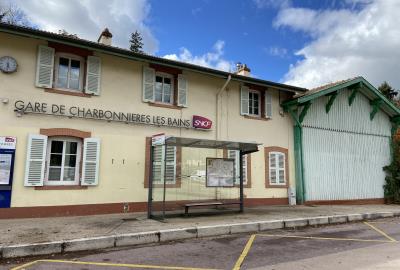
(361,245)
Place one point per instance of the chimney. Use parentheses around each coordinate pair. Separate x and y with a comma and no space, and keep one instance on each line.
(242,69)
(105,37)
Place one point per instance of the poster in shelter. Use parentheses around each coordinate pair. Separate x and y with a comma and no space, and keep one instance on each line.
(220,172)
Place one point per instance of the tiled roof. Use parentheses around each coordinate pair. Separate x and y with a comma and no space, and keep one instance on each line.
(324,87)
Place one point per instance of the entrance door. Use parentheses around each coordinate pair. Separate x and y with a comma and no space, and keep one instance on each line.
(341,165)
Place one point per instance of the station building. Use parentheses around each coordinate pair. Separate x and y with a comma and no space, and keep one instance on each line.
(77,118)
(83,113)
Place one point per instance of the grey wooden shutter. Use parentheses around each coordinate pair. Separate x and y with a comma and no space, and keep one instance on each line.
(93,75)
(45,67)
(90,162)
(268,104)
(158,169)
(244,100)
(170,164)
(233,154)
(281,168)
(148,84)
(35,160)
(182,91)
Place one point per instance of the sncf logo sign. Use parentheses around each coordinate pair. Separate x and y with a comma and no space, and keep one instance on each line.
(201,122)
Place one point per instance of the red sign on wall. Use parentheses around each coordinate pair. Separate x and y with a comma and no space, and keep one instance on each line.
(201,122)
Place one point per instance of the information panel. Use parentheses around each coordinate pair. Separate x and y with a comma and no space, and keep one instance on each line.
(220,172)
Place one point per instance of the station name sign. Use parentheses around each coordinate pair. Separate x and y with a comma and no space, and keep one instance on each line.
(108,115)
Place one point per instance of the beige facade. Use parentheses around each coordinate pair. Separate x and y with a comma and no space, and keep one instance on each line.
(122,155)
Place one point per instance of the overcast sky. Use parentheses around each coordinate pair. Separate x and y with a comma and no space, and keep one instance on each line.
(305,43)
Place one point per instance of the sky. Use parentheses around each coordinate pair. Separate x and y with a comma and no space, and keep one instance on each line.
(303,43)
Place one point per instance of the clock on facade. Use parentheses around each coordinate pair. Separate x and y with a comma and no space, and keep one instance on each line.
(8,64)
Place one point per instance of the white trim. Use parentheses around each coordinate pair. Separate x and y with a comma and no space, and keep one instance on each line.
(252,102)
(61,182)
(164,75)
(81,71)
(277,169)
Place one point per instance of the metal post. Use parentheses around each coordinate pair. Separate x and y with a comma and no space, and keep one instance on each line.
(165,183)
(241,179)
(150,196)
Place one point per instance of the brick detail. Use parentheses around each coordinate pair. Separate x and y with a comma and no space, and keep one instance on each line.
(267,150)
(69,132)
(65,92)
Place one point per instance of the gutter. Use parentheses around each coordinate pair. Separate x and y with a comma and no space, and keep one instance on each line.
(217,101)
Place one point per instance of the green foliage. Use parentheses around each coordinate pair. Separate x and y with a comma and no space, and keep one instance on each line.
(392,185)
(388,91)
(136,42)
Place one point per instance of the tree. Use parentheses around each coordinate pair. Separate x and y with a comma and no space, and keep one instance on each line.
(136,42)
(392,185)
(12,14)
(388,91)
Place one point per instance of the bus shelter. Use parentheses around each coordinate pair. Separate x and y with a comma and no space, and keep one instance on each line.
(188,173)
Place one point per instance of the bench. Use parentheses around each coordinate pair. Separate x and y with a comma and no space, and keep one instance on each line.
(200,204)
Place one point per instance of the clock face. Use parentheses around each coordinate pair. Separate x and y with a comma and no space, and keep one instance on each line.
(8,64)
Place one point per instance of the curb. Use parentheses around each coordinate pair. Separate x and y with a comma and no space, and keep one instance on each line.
(151,237)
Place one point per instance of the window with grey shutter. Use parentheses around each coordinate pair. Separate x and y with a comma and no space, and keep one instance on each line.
(45,67)
(35,160)
(90,161)
(169,159)
(268,104)
(182,91)
(93,75)
(148,84)
(244,100)
(234,154)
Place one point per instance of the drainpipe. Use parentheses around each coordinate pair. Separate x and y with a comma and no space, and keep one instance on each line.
(217,101)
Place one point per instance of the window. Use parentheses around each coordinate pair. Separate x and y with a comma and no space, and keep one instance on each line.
(63,160)
(254,103)
(234,154)
(69,72)
(277,168)
(164,88)
(169,174)
(64,69)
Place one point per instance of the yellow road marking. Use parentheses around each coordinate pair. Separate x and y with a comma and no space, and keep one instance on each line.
(325,238)
(114,265)
(24,265)
(380,231)
(244,253)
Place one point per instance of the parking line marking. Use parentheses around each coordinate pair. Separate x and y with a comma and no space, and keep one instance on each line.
(114,265)
(326,238)
(380,231)
(244,253)
(24,265)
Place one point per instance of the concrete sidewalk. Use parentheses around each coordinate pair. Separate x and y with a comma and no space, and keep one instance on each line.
(107,228)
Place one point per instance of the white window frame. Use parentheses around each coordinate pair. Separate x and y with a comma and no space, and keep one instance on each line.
(251,103)
(277,169)
(164,75)
(236,167)
(81,73)
(78,161)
